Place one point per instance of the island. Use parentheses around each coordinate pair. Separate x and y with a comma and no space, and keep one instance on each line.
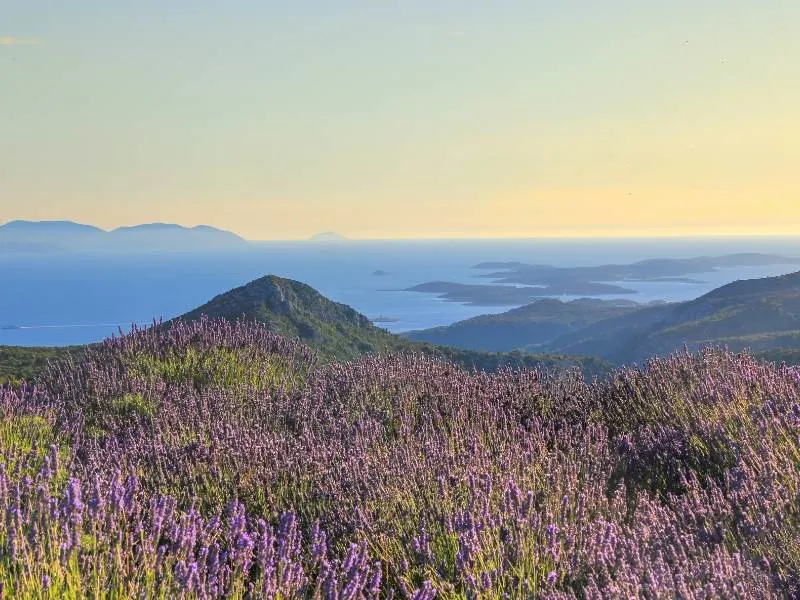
(518,283)
(511,295)
(68,236)
(328,236)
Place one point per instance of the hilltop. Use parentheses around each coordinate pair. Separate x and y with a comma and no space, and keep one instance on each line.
(296,310)
(60,236)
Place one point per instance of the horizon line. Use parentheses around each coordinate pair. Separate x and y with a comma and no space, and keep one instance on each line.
(553,236)
(486,236)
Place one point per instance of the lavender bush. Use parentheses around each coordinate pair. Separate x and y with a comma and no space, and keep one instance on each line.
(211,460)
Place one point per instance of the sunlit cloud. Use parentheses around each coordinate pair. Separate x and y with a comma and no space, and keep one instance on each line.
(10,40)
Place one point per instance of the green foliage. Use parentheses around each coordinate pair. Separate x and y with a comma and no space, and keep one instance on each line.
(223,367)
(26,433)
(296,310)
(108,414)
(25,441)
(470,360)
(131,405)
(18,363)
(780,355)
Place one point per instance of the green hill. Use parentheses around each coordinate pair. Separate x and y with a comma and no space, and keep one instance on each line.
(757,314)
(296,310)
(532,324)
(338,332)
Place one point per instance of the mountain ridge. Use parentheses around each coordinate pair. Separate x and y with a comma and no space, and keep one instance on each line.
(49,236)
(534,323)
(749,314)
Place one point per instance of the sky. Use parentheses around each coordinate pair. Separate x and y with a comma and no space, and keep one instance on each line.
(420,118)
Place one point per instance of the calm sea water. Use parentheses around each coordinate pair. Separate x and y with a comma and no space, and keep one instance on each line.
(81,298)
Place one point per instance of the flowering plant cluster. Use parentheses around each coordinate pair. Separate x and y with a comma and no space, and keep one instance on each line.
(217,460)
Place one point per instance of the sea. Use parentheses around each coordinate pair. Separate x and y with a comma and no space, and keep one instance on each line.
(81,297)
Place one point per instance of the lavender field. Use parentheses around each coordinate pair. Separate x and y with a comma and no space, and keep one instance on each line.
(221,461)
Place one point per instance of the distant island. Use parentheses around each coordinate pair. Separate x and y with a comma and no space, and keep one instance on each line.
(328,236)
(657,269)
(380,273)
(511,295)
(516,283)
(61,236)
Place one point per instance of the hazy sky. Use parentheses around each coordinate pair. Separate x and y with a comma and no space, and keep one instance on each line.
(415,118)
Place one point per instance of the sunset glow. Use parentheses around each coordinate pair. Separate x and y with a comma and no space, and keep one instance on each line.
(426,119)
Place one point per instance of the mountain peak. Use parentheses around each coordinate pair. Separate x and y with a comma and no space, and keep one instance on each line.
(282,297)
(297,310)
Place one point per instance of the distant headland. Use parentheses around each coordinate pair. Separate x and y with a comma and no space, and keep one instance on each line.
(60,236)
